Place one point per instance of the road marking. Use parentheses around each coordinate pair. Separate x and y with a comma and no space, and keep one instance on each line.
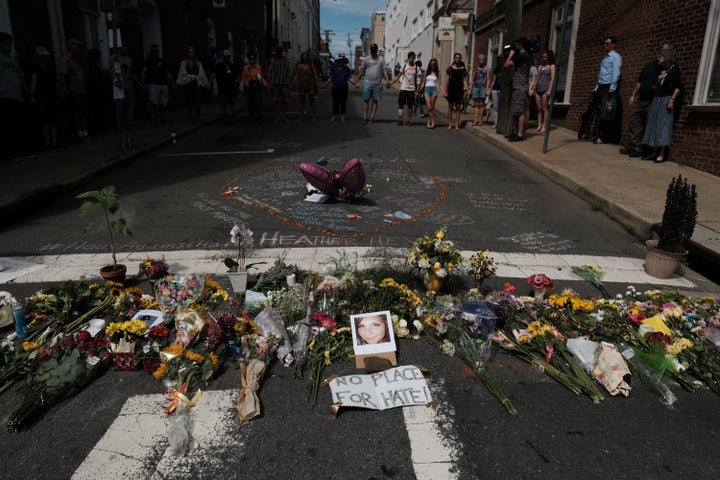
(200,154)
(135,445)
(65,266)
(432,454)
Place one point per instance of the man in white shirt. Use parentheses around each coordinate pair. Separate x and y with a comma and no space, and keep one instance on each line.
(408,87)
(373,69)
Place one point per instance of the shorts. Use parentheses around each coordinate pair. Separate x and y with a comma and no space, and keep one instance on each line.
(478,93)
(541,94)
(306,91)
(518,102)
(431,91)
(158,94)
(372,91)
(406,97)
(281,93)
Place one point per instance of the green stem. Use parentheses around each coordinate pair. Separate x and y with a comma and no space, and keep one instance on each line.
(112,239)
(495,390)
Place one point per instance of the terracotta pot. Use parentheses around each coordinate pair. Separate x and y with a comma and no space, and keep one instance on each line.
(110,273)
(434,284)
(659,263)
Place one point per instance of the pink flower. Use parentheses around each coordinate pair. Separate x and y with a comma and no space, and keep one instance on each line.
(540,280)
(322,319)
(509,288)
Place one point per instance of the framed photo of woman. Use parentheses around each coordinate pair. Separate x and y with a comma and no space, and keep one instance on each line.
(373,335)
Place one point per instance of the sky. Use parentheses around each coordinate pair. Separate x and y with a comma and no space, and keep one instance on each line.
(347,16)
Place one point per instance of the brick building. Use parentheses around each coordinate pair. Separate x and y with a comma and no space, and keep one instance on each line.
(240,26)
(691,26)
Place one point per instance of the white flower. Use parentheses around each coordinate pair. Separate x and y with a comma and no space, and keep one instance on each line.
(448,347)
(441,273)
(423,263)
(418,325)
(6,298)
(402,331)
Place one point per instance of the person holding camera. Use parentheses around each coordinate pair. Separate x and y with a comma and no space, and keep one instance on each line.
(519,58)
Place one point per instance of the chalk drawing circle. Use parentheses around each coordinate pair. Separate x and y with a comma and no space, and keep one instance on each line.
(415,194)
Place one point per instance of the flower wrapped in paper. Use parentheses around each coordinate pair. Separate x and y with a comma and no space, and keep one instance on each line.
(269,322)
(611,370)
(257,351)
(175,291)
(188,325)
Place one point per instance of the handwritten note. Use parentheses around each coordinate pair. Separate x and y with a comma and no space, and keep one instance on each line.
(396,387)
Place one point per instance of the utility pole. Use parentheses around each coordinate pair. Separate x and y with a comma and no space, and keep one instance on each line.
(349,44)
(513,24)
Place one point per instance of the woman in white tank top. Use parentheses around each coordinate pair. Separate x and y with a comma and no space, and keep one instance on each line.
(430,88)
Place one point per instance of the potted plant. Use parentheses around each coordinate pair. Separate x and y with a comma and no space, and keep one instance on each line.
(678,223)
(242,237)
(107,200)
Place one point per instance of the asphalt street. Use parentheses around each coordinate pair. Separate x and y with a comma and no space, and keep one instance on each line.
(187,195)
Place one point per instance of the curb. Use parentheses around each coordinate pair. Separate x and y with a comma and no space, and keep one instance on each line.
(35,199)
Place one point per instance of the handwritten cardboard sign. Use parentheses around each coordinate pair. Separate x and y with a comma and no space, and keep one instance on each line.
(396,387)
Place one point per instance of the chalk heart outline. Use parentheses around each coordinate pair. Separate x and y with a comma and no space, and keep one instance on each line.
(394,189)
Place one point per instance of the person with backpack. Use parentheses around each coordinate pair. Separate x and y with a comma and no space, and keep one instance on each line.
(408,87)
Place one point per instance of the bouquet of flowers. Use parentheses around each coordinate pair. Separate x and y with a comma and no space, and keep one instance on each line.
(328,343)
(257,352)
(123,335)
(434,256)
(67,364)
(541,283)
(6,302)
(176,291)
(481,266)
(157,338)
(153,269)
(467,334)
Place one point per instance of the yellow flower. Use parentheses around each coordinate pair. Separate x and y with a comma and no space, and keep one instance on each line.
(161,370)
(440,234)
(30,345)
(215,361)
(173,350)
(194,357)
(679,345)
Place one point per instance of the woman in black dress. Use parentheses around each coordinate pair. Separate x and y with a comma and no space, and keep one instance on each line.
(455,86)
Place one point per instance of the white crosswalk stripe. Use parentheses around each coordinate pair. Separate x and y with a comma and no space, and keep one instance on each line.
(67,266)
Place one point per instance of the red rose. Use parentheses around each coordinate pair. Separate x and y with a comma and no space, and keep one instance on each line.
(84,336)
(69,341)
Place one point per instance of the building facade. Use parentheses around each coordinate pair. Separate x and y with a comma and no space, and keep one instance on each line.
(640,27)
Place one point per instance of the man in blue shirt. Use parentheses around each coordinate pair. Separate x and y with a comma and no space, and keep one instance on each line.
(606,86)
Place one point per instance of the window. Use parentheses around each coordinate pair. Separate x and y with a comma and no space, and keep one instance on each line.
(494,49)
(707,90)
(562,94)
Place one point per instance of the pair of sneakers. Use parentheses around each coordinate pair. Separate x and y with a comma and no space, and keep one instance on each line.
(86,139)
(368,120)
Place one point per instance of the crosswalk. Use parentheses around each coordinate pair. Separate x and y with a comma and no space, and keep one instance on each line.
(73,266)
(136,443)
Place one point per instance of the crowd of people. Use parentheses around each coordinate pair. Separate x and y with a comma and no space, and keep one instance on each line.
(45,107)
(81,88)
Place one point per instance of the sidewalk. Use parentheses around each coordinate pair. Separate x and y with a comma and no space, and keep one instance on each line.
(629,190)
